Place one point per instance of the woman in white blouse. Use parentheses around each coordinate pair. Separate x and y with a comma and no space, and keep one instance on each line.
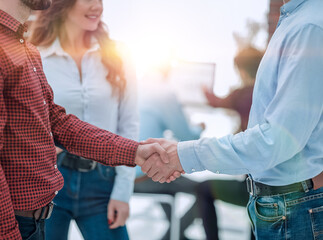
(84,67)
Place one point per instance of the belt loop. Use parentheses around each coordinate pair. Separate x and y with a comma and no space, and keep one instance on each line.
(305,187)
(41,213)
(250,185)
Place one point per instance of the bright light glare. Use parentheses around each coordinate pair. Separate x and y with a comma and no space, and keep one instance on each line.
(151,53)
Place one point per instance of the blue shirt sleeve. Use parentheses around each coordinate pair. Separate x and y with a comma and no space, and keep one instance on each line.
(293,118)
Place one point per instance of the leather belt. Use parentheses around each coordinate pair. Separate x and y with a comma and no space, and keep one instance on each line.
(40,213)
(78,163)
(260,189)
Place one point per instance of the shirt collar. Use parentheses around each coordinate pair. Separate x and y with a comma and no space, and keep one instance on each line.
(12,23)
(56,48)
(291,6)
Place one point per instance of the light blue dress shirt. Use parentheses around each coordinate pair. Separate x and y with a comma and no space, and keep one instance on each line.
(284,140)
(91,100)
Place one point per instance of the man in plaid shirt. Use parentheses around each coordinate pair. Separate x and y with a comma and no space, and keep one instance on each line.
(30,122)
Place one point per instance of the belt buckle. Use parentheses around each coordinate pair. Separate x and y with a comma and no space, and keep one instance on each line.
(250,187)
(50,210)
(92,166)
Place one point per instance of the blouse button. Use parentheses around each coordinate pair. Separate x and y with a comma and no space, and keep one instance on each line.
(21,40)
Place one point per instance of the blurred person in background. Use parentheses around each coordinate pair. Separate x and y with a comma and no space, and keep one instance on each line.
(162,115)
(231,191)
(93,80)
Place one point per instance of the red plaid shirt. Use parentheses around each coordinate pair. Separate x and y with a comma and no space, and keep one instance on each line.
(29,123)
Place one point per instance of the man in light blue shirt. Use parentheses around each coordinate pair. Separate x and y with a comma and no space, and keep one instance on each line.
(282,149)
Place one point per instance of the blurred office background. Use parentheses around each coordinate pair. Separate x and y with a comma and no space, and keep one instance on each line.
(204,31)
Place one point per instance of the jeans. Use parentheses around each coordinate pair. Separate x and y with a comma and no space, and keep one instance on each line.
(295,216)
(30,228)
(84,198)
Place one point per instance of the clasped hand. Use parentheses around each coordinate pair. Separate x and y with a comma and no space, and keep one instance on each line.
(158,158)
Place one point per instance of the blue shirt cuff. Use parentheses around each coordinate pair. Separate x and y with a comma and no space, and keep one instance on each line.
(188,158)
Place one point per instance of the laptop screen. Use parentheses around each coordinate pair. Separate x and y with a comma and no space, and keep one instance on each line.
(188,78)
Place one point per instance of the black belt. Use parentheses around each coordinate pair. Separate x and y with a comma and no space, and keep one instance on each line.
(260,189)
(78,163)
(40,213)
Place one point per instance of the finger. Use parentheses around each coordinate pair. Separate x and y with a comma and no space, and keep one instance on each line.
(111,215)
(177,174)
(149,163)
(157,177)
(172,178)
(117,222)
(156,167)
(161,151)
(152,172)
(162,180)
(146,166)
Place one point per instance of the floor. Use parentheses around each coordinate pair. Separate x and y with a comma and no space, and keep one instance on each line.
(147,220)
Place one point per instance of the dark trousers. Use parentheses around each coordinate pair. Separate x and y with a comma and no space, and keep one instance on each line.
(230,191)
(181,184)
(31,229)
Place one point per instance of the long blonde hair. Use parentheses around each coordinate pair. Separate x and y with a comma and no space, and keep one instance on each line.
(46,28)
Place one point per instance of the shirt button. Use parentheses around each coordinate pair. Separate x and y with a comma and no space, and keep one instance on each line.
(35,70)
(21,40)
(193,169)
(44,102)
(55,166)
(50,134)
(56,192)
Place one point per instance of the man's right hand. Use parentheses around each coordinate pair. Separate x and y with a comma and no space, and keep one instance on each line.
(160,171)
(146,151)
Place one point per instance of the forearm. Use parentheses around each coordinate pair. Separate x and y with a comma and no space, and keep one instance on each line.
(240,153)
(91,142)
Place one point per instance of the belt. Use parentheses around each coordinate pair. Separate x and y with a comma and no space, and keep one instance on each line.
(260,189)
(40,213)
(78,163)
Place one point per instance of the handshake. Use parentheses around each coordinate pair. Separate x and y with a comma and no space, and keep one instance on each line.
(158,158)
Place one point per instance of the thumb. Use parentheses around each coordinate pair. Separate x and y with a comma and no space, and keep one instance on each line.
(150,140)
(161,151)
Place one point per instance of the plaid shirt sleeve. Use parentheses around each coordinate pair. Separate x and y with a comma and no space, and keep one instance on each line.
(87,140)
(9,227)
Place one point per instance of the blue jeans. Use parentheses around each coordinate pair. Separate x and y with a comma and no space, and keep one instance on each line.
(84,198)
(30,228)
(295,216)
